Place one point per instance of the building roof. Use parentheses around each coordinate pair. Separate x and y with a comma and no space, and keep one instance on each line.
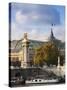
(16,45)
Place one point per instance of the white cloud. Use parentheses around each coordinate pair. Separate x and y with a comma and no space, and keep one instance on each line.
(13,28)
(35,17)
(21,18)
(33,31)
(35,34)
(59,32)
(16,32)
(30,18)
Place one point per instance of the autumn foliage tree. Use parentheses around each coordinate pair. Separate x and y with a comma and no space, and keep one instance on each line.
(46,53)
(51,53)
(39,56)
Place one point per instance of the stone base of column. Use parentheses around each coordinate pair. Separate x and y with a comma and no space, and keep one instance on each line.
(25,65)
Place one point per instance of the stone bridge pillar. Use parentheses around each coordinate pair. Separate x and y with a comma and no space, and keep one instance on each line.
(25,44)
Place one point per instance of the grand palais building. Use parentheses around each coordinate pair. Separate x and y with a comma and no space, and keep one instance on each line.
(22,51)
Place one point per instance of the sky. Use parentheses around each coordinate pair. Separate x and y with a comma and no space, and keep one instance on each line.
(37,20)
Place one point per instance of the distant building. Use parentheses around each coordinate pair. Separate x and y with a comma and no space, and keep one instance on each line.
(22,51)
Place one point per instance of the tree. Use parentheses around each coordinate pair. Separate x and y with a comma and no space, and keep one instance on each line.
(51,53)
(46,53)
(39,56)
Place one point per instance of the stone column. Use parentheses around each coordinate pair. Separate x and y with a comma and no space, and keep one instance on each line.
(59,67)
(25,45)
